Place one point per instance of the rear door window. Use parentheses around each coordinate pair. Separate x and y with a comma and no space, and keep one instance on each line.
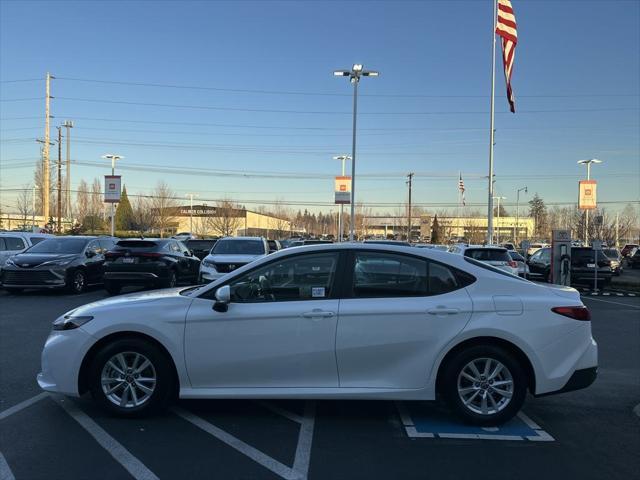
(14,243)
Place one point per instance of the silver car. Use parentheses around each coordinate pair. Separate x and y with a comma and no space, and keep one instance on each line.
(231,253)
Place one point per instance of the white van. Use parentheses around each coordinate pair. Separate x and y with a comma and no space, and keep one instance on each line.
(12,243)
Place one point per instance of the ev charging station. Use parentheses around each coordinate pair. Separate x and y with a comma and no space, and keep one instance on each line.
(561,257)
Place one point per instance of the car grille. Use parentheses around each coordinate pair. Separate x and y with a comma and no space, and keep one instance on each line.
(33,277)
(228,267)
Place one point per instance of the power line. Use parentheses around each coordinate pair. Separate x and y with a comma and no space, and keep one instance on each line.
(327,112)
(331,94)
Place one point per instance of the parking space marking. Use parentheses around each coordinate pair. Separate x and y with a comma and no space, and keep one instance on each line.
(615,303)
(121,455)
(528,430)
(5,470)
(244,448)
(294,417)
(22,405)
(305,440)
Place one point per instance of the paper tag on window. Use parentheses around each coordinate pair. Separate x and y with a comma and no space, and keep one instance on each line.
(317,292)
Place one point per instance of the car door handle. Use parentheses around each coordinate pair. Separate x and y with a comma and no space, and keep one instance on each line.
(317,314)
(443,311)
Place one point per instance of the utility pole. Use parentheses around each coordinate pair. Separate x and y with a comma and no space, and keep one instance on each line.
(46,170)
(59,209)
(68,124)
(409,183)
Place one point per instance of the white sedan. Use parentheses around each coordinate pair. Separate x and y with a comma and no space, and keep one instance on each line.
(350,321)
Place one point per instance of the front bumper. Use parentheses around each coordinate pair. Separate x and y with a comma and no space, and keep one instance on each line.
(13,277)
(209,274)
(61,359)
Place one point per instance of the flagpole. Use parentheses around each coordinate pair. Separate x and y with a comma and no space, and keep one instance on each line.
(491,123)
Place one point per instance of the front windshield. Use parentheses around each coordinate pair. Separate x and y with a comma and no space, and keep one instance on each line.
(59,245)
(238,247)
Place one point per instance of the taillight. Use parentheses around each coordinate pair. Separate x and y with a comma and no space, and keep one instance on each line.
(149,255)
(577,313)
(513,264)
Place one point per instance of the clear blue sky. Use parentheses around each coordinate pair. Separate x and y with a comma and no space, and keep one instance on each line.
(576,80)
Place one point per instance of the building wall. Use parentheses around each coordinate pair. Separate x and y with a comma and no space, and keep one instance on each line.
(246,222)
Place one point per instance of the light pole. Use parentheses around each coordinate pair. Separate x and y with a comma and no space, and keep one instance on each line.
(516,230)
(586,212)
(498,223)
(343,159)
(33,206)
(113,158)
(190,196)
(354,77)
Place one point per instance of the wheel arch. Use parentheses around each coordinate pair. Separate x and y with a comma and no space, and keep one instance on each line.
(83,376)
(512,348)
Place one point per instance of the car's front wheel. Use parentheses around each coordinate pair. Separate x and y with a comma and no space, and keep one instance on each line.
(171,280)
(484,385)
(131,377)
(77,282)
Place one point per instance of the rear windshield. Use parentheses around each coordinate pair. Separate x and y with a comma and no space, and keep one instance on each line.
(494,269)
(487,254)
(200,244)
(586,254)
(238,247)
(147,244)
(60,245)
(611,253)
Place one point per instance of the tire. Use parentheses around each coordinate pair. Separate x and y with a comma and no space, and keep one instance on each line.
(547,276)
(455,386)
(77,282)
(122,401)
(171,280)
(112,287)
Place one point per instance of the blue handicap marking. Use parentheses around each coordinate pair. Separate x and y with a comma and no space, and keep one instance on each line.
(422,420)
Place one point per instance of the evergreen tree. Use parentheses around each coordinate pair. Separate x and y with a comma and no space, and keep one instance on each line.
(124,212)
(435,230)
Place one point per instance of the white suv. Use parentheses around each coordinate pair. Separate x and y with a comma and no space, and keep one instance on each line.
(230,253)
(497,257)
(13,243)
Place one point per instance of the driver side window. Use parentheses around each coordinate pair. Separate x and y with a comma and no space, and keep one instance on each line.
(303,277)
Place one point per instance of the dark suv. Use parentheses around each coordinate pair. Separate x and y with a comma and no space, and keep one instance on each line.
(153,262)
(582,265)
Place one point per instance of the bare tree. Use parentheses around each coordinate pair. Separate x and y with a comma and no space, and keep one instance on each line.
(143,216)
(226,220)
(283,219)
(164,206)
(24,205)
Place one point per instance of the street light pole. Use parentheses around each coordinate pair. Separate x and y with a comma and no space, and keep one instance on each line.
(354,76)
(113,159)
(586,212)
(190,195)
(516,230)
(343,159)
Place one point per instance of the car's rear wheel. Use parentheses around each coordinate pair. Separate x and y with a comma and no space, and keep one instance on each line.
(77,282)
(131,377)
(171,280)
(484,385)
(112,287)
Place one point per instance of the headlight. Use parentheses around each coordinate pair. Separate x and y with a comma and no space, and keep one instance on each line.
(9,262)
(208,263)
(69,322)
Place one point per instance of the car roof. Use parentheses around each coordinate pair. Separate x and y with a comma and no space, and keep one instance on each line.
(241,238)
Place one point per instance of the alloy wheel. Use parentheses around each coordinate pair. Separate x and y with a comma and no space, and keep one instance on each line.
(128,379)
(78,282)
(485,386)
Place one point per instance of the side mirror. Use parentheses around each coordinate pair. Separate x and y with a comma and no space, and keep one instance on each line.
(223,298)
(90,253)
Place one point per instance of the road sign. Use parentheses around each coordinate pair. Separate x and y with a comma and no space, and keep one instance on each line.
(587,195)
(561,236)
(596,245)
(343,190)
(112,188)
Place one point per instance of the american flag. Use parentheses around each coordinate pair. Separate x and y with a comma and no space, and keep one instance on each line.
(506,29)
(461,189)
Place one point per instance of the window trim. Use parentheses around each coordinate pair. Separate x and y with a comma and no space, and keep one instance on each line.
(338,278)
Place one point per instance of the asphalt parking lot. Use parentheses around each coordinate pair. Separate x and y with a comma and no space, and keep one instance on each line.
(592,433)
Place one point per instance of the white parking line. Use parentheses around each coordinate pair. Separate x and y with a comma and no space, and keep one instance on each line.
(294,417)
(305,440)
(5,470)
(22,405)
(615,303)
(244,448)
(121,455)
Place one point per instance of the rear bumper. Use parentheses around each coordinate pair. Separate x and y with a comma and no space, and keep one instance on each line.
(580,379)
(132,277)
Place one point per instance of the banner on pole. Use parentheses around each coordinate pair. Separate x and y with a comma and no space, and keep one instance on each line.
(343,190)
(587,195)
(112,188)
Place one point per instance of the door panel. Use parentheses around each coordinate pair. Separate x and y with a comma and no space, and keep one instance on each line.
(279,344)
